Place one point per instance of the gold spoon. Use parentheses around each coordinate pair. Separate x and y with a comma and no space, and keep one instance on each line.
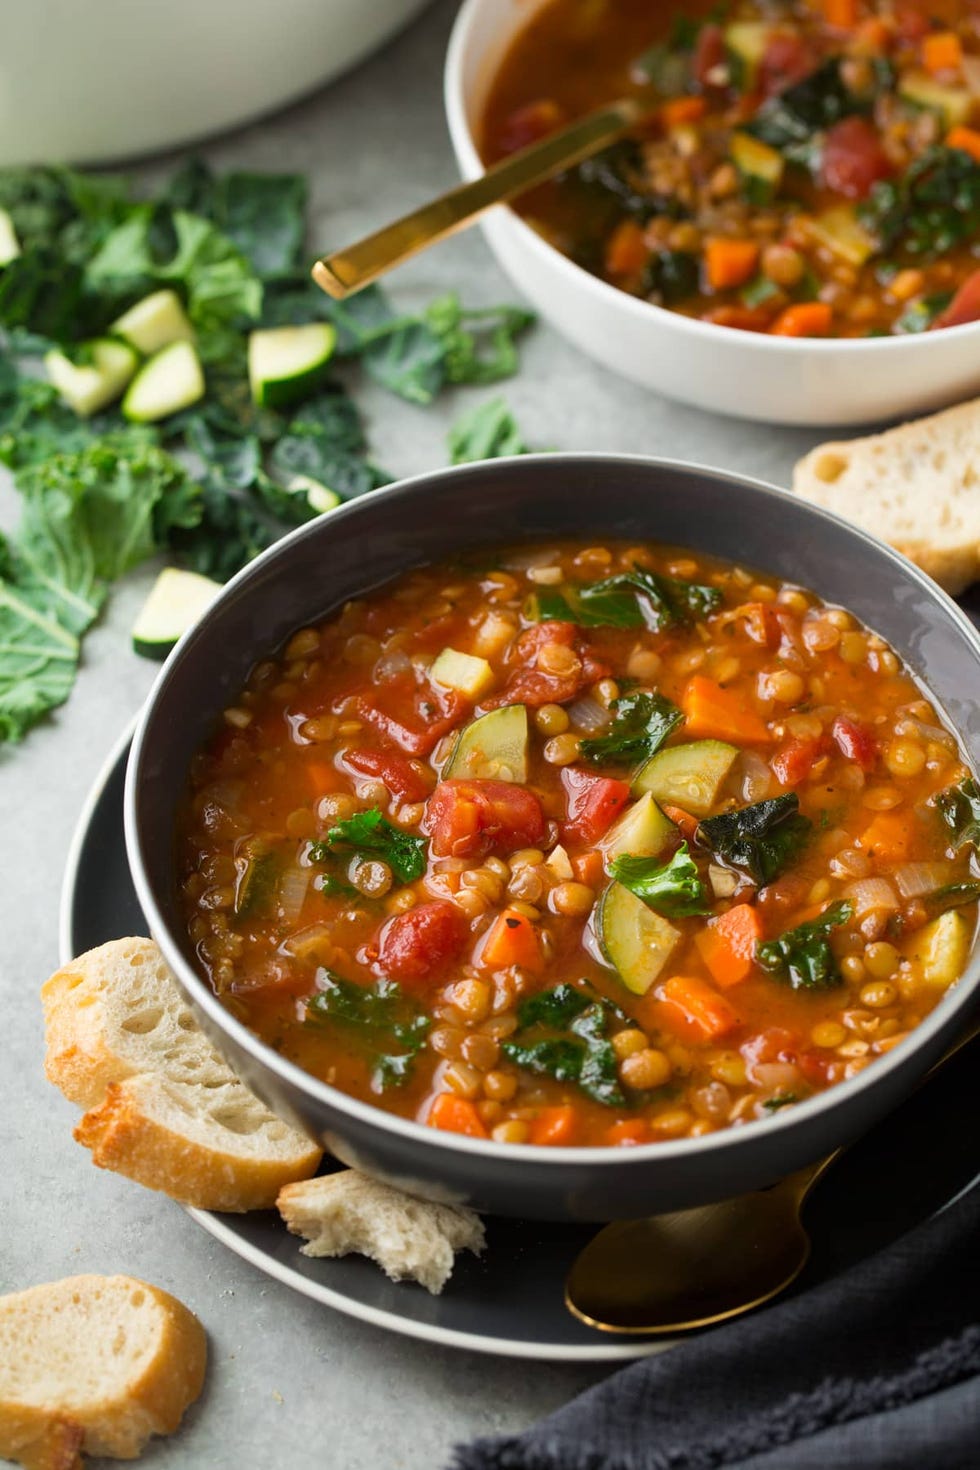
(348,270)
(673,1273)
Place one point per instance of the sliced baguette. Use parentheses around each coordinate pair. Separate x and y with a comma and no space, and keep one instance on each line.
(410,1239)
(164,1108)
(95,1364)
(916,486)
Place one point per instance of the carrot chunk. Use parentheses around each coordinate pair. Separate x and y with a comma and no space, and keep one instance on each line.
(588,869)
(841,14)
(804,319)
(942,51)
(628,1132)
(715,713)
(682,110)
(873,37)
(727,944)
(730,262)
(706,1015)
(889,837)
(966,139)
(511,940)
(683,820)
(554,1126)
(626,251)
(456,1115)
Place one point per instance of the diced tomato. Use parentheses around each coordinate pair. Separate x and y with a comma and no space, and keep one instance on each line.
(473,818)
(853,158)
(965,305)
(815,1068)
(788,58)
(855,742)
(529,123)
(709,53)
(911,20)
(592,804)
(529,684)
(776,1044)
(793,763)
(416,947)
(404,778)
(434,711)
(744,318)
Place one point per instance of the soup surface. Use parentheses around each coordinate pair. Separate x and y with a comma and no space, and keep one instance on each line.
(578,844)
(812,170)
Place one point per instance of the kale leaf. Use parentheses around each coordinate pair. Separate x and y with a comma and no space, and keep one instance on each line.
(562,1034)
(370,833)
(673,889)
(633,599)
(641,724)
(488,431)
(263,215)
(951,896)
(959,807)
(392,1027)
(478,346)
(790,120)
(759,839)
(933,207)
(803,956)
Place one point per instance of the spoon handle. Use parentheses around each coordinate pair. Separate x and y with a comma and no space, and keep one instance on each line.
(348,270)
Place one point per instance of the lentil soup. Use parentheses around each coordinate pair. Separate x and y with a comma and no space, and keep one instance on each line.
(813,168)
(581,844)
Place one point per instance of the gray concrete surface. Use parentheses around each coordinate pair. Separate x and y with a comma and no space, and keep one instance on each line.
(291,1383)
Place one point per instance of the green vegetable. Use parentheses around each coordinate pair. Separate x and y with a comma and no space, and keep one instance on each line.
(488,431)
(478,346)
(919,315)
(688,775)
(673,888)
(153,323)
(759,839)
(959,807)
(176,602)
(791,121)
(951,896)
(672,276)
(492,747)
(370,833)
(391,1026)
(97,379)
(562,1033)
(781,1100)
(170,380)
(288,363)
(633,599)
(641,724)
(933,207)
(264,215)
(636,941)
(803,956)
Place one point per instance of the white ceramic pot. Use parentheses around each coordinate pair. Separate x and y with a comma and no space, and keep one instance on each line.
(777,379)
(96,80)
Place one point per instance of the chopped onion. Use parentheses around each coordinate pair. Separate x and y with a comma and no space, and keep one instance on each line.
(292,892)
(588,715)
(910,725)
(392,665)
(915,879)
(756,779)
(308,941)
(871,895)
(559,863)
(723,882)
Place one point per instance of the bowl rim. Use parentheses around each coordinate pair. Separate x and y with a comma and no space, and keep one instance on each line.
(471,166)
(955,1000)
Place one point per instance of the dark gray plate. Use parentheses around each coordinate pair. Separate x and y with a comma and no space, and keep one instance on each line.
(511,1300)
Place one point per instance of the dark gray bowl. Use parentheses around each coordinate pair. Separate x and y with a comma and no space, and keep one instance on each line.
(420,520)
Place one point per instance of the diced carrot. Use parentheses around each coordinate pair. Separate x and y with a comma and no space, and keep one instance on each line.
(730,262)
(742,318)
(688,825)
(872,37)
(682,110)
(554,1125)
(628,1132)
(804,319)
(715,713)
(727,944)
(626,250)
(511,940)
(588,868)
(455,1114)
(966,139)
(841,14)
(889,837)
(323,778)
(942,51)
(706,1015)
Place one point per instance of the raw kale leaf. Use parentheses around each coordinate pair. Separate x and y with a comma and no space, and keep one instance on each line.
(803,956)
(392,1026)
(478,346)
(562,1034)
(641,724)
(673,889)
(759,839)
(959,807)
(263,215)
(488,431)
(372,834)
(932,208)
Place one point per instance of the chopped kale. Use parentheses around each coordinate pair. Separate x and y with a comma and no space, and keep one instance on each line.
(488,431)
(951,896)
(792,120)
(391,1026)
(633,599)
(803,956)
(641,724)
(371,834)
(673,889)
(672,276)
(781,1100)
(933,207)
(563,1034)
(959,807)
(759,839)
(919,315)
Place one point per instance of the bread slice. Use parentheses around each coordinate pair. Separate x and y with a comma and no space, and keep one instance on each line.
(410,1239)
(95,1364)
(916,486)
(164,1107)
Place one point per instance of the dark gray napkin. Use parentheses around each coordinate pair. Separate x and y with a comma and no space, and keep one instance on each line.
(876,1369)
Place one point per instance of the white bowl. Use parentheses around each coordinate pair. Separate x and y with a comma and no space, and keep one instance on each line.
(97,80)
(781,380)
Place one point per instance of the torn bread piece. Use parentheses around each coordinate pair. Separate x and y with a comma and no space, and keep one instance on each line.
(94,1365)
(164,1107)
(916,486)
(409,1238)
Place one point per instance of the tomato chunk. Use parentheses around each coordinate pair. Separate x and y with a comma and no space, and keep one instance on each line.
(853,158)
(709,53)
(592,805)
(404,778)
(416,947)
(855,741)
(534,683)
(412,713)
(965,305)
(788,58)
(794,762)
(474,818)
(529,123)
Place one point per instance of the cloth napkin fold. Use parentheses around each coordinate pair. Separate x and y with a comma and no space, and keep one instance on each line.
(876,1369)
